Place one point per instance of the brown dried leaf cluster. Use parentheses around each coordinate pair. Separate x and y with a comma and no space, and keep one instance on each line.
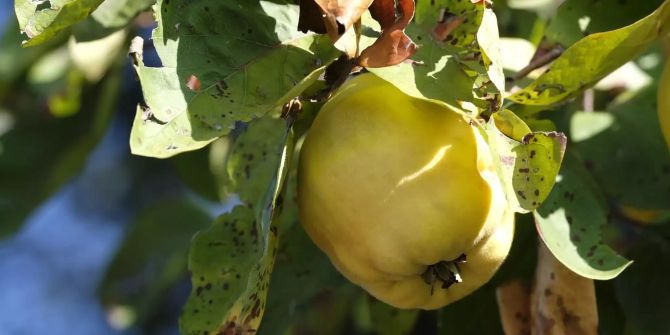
(560,303)
(337,17)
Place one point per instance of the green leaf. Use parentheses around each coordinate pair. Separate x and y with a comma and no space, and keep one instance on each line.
(194,170)
(527,163)
(571,223)
(40,21)
(58,146)
(428,15)
(95,57)
(252,159)
(489,44)
(459,69)
(117,14)
(109,17)
(231,262)
(578,18)
(591,59)
(642,290)
(473,315)
(302,274)
(152,257)
(391,321)
(14,60)
(222,62)
(625,151)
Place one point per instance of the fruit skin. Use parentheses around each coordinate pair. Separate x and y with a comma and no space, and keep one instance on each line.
(389,185)
(664,101)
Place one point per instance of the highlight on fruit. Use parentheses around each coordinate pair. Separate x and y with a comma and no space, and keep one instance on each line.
(402,195)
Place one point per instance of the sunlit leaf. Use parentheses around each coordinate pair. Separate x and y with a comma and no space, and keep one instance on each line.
(571,223)
(246,56)
(527,162)
(232,261)
(591,59)
(41,20)
(578,18)
(95,57)
(454,64)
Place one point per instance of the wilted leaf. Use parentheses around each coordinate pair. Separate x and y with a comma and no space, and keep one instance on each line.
(311,18)
(41,20)
(571,222)
(247,57)
(513,299)
(340,15)
(591,59)
(562,302)
(393,46)
(454,70)
(384,12)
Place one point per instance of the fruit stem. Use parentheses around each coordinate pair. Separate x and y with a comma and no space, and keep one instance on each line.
(446,272)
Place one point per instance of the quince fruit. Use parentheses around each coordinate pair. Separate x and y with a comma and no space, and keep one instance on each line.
(402,195)
(664,101)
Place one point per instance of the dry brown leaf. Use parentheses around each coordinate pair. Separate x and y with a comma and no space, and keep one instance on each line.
(311,18)
(383,11)
(562,302)
(340,15)
(513,300)
(393,46)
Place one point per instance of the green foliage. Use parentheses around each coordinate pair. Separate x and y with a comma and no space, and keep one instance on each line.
(391,321)
(229,52)
(630,139)
(40,21)
(232,261)
(572,220)
(463,61)
(226,70)
(152,258)
(592,58)
(642,290)
(33,137)
(527,162)
(576,19)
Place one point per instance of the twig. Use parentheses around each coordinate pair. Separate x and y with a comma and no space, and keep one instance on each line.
(539,61)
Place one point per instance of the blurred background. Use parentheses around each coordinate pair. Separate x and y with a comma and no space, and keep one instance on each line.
(94,240)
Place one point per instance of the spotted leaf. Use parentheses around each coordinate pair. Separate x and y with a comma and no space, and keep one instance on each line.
(571,223)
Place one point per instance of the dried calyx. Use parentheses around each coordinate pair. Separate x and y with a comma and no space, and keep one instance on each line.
(446,272)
